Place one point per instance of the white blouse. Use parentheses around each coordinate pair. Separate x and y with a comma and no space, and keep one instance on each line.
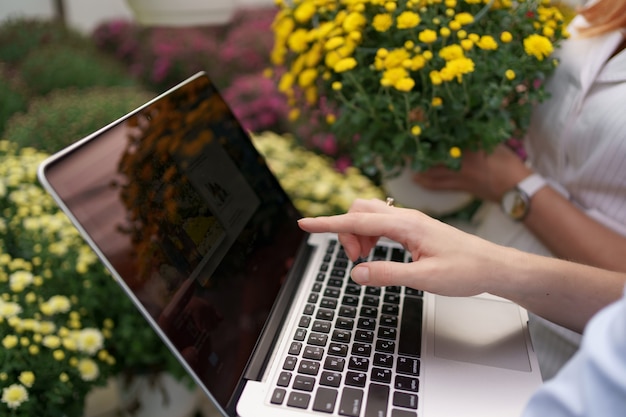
(577,139)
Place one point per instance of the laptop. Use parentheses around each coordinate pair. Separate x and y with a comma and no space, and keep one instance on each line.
(182,209)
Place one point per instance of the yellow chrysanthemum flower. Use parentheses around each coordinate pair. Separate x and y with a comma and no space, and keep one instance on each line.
(538,46)
(455,152)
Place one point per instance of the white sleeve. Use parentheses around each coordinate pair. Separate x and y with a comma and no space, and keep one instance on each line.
(593,382)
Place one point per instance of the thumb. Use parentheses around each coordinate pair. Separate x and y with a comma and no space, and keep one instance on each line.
(385,273)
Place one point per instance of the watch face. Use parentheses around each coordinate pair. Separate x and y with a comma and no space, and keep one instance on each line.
(515,204)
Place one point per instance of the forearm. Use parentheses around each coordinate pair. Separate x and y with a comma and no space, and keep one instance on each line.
(570,234)
(563,292)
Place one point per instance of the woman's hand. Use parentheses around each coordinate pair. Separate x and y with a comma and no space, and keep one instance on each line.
(450,262)
(486,176)
(446,260)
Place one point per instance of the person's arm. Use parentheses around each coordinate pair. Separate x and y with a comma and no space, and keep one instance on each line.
(560,225)
(593,382)
(450,262)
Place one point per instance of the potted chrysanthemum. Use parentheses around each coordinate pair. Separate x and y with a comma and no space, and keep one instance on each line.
(53,349)
(414,83)
(61,335)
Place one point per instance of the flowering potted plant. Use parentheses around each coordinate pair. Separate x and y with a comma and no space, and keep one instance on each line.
(61,334)
(53,349)
(416,82)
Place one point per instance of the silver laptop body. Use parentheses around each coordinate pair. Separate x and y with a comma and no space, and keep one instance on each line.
(183,211)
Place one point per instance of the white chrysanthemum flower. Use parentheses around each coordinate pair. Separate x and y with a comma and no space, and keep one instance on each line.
(14,395)
(9,309)
(90,340)
(88,369)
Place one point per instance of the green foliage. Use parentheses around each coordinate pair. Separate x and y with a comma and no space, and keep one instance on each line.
(59,119)
(18,37)
(58,66)
(13,101)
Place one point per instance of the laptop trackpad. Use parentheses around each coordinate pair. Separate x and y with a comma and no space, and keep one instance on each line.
(480,331)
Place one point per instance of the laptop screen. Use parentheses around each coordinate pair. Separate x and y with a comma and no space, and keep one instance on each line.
(185,210)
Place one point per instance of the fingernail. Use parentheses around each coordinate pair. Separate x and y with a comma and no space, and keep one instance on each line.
(360,274)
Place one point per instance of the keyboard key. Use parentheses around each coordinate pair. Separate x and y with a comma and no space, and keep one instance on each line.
(402,413)
(392,298)
(397,254)
(332,292)
(372,290)
(290,363)
(341,336)
(324,314)
(304,321)
(390,309)
(383,359)
(308,367)
(330,303)
(351,402)
(325,399)
(313,298)
(333,363)
(317,287)
(303,383)
(350,300)
(404,399)
(410,343)
(353,289)
(295,348)
(385,346)
(299,400)
(387,333)
(412,292)
(278,396)
(344,323)
(406,383)
(366,336)
(377,399)
(300,334)
(370,300)
(335,282)
(321,326)
(371,312)
(408,366)
(284,379)
(317,339)
(367,324)
(330,379)
(338,349)
(361,349)
(393,289)
(358,364)
(356,379)
(309,309)
(388,321)
(347,311)
(313,352)
(381,375)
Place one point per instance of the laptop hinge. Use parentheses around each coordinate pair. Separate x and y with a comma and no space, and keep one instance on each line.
(263,349)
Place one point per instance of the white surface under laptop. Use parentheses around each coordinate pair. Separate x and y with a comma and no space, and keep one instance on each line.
(477,357)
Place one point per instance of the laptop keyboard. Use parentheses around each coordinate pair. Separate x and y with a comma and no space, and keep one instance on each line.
(356,349)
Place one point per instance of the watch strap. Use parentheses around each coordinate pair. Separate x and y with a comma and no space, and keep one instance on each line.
(531,184)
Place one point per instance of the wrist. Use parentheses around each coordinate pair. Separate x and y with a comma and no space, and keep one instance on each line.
(516,202)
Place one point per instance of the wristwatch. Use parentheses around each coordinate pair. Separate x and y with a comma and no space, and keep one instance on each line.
(516,202)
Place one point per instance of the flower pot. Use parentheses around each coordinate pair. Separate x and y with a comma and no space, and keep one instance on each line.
(182,12)
(156,395)
(408,193)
